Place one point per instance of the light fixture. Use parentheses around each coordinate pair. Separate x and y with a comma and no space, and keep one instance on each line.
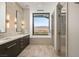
(15,26)
(7,21)
(22,24)
(8,25)
(15,20)
(8,17)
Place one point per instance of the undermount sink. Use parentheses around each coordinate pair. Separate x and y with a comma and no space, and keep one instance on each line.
(6,38)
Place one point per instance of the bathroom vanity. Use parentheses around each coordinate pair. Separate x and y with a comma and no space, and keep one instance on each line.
(11,21)
(12,46)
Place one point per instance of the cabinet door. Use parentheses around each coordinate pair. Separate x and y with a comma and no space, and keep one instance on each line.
(27,40)
(18,46)
(11,48)
(2,51)
(22,43)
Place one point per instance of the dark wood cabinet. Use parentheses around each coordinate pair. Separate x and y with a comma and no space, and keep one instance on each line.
(2,51)
(13,48)
(27,41)
(22,41)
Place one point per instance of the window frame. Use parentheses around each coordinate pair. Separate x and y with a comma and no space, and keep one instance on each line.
(33,23)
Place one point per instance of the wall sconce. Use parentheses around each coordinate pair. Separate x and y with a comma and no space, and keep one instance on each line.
(7,21)
(15,22)
(8,17)
(22,24)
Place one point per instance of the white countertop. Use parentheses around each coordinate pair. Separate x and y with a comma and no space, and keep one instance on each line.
(11,38)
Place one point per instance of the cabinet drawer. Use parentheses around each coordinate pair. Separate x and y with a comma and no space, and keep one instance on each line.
(10,43)
(11,48)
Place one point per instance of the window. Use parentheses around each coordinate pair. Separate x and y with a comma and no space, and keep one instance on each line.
(41,23)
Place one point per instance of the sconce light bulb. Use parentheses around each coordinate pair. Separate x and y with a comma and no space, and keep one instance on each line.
(15,19)
(8,17)
(22,27)
(22,22)
(15,26)
(8,25)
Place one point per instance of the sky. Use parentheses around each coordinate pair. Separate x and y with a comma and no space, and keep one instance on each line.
(41,21)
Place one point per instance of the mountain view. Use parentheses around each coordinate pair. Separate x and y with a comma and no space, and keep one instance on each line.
(38,30)
(41,26)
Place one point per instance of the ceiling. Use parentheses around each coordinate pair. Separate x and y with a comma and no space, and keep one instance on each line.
(38,4)
(34,6)
(41,6)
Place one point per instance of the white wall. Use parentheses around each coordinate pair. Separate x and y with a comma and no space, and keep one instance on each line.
(39,39)
(55,28)
(73,29)
(47,9)
(31,22)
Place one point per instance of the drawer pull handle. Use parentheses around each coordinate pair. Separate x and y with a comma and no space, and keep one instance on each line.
(11,45)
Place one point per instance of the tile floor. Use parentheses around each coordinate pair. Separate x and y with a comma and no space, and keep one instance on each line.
(38,51)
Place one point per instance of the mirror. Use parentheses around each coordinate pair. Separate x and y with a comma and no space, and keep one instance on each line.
(2,16)
(18,21)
